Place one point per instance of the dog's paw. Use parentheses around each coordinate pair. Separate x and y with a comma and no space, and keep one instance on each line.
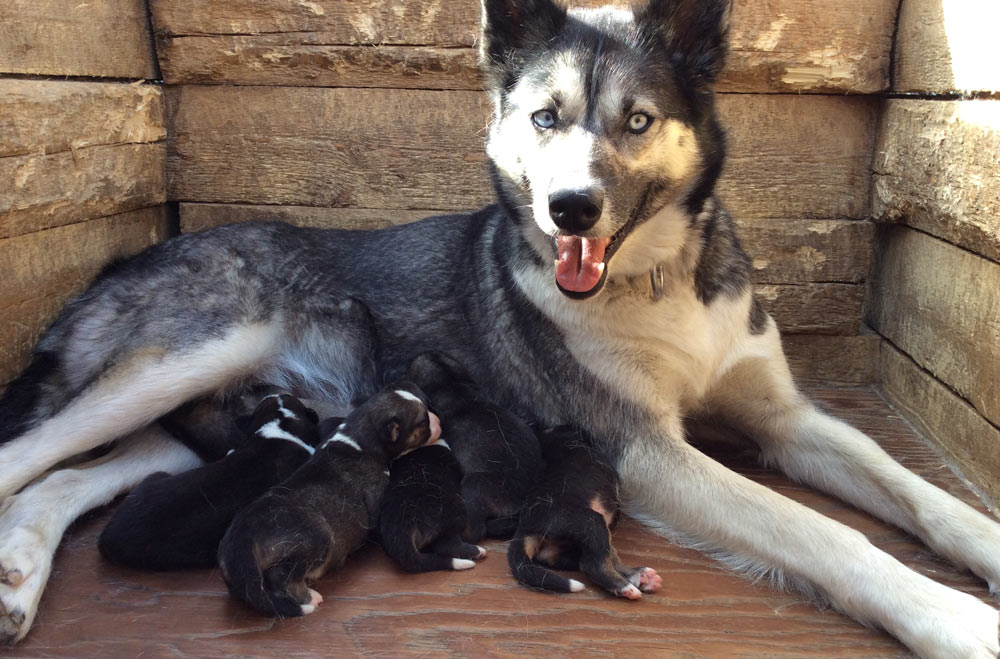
(19,548)
(576,586)
(482,552)
(646,579)
(315,599)
(462,564)
(630,592)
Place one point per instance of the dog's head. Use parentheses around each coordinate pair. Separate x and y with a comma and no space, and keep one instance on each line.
(604,139)
(401,418)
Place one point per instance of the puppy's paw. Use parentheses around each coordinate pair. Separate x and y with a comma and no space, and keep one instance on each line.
(462,564)
(630,592)
(482,552)
(646,579)
(315,599)
(576,586)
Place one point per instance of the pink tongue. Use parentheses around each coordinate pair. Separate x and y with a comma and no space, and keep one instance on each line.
(580,263)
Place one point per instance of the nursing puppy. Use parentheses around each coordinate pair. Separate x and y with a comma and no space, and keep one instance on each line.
(173,522)
(323,512)
(567,520)
(498,452)
(423,516)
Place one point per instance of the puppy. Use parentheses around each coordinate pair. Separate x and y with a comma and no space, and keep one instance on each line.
(498,452)
(323,512)
(567,520)
(422,516)
(172,522)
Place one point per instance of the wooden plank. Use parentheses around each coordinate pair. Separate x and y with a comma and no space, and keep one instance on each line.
(791,156)
(937,168)
(48,116)
(844,360)
(957,428)
(71,186)
(813,308)
(783,250)
(92,608)
(938,303)
(947,46)
(42,270)
(777,45)
(108,39)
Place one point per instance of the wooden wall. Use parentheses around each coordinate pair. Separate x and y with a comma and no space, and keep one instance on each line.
(82,155)
(935,286)
(369,112)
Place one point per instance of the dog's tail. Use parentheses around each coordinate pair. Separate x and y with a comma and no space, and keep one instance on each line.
(526,571)
(268,589)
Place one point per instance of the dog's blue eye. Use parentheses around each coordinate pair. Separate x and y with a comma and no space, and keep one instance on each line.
(639,122)
(544,118)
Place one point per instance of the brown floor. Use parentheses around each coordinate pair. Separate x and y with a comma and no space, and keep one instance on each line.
(94,609)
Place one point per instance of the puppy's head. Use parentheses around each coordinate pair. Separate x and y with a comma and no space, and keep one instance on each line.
(401,418)
(285,417)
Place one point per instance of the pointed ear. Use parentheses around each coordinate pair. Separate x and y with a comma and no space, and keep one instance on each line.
(696,32)
(392,430)
(509,26)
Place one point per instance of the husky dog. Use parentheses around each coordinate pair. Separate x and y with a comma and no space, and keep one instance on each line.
(175,522)
(606,289)
(313,520)
(498,453)
(566,522)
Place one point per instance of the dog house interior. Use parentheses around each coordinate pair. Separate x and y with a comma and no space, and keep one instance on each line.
(863,171)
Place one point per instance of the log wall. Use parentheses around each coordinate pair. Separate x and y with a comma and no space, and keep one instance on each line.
(935,285)
(388,106)
(82,155)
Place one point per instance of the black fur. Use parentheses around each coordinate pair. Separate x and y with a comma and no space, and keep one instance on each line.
(498,453)
(423,516)
(322,512)
(174,522)
(20,402)
(566,521)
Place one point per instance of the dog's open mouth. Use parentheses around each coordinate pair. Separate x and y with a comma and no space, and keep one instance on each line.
(582,263)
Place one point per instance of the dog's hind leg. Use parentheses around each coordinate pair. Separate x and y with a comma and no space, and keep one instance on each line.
(139,388)
(33,521)
(694,500)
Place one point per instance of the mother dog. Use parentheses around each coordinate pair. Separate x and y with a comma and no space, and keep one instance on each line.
(606,289)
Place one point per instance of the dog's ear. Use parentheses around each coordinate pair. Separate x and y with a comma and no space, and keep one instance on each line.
(696,33)
(512,25)
(392,430)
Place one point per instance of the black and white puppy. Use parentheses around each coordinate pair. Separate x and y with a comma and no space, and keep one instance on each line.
(498,452)
(323,512)
(423,516)
(173,522)
(566,522)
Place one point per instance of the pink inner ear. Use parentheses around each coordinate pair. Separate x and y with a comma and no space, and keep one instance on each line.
(393,431)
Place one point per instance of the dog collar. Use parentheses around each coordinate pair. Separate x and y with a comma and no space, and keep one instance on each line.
(656,282)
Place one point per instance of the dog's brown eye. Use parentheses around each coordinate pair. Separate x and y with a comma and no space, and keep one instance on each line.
(639,122)
(544,119)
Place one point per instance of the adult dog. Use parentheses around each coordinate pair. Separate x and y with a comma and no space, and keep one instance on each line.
(607,289)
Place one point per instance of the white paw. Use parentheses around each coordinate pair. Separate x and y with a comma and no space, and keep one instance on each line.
(630,592)
(948,623)
(315,599)
(462,564)
(575,586)
(482,552)
(25,562)
(646,579)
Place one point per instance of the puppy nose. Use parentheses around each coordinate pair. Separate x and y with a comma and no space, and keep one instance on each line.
(576,210)
(435,424)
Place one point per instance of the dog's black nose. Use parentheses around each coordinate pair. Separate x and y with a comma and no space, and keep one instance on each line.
(576,210)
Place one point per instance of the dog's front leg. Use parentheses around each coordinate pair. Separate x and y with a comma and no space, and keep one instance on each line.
(693,499)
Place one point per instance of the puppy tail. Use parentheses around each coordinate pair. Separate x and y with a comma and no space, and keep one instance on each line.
(265,589)
(534,575)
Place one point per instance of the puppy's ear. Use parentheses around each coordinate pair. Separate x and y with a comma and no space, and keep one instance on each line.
(696,33)
(311,416)
(512,25)
(392,430)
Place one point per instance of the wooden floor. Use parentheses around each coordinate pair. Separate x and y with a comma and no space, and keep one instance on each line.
(93,609)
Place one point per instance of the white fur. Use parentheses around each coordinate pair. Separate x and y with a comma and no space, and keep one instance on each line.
(462,564)
(33,522)
(273,430)
(406,395)
(576,586)
(343,439)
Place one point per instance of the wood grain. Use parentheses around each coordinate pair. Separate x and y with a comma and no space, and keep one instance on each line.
(829,360)
(939,303)
(109,39)
(791,156)
(47,191)
(43,269)
(49,116)
(957,428)
(937,168)
(91,608)
(777,45)
(946,46)
(813,308)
